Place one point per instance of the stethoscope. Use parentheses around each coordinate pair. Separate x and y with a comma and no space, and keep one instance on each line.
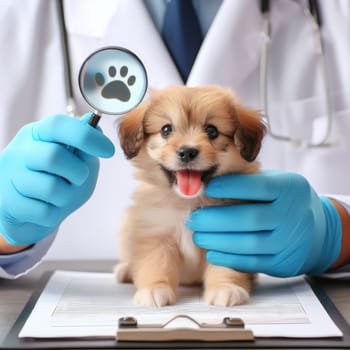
(313,12)
(103,64)
(112,80)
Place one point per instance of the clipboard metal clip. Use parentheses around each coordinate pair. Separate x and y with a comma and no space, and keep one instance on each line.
(230,329)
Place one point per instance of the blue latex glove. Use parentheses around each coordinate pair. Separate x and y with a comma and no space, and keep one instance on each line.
(42,180)
(288,231)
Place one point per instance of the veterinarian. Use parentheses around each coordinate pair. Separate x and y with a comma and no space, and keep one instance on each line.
(289,229)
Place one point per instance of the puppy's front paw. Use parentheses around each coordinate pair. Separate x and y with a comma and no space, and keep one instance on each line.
(155,296)
(228,295)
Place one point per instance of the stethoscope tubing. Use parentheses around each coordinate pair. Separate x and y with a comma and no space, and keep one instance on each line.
(265,6)
(314,13)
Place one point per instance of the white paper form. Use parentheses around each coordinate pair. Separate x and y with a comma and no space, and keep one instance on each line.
(84,304)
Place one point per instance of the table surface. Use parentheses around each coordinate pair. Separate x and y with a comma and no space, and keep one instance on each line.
(14,294)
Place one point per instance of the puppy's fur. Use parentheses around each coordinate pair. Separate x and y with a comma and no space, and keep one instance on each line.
(203,132)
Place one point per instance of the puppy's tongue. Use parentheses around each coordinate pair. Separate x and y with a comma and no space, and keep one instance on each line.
(189,182)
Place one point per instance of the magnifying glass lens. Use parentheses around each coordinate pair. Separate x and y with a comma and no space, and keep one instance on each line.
(113,80)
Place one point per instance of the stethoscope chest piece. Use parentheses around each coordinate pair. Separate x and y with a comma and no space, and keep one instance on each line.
(112,80)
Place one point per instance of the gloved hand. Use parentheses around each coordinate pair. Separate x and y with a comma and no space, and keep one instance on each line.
(287,230)
(43,179)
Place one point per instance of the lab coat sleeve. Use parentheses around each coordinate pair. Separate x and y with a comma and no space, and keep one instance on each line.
(15,265)
(342,272)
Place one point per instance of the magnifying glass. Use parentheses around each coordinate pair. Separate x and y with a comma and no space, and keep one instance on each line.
(112,80)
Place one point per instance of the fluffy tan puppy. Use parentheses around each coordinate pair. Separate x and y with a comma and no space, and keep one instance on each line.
(178,140)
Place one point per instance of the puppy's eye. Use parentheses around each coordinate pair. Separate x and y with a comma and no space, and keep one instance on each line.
(166,130)
(212,131)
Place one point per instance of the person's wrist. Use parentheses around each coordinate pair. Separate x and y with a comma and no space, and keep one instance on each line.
(7,248)
(344,255)
(331,246)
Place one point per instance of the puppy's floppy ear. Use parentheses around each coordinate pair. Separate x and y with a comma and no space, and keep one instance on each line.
(249,133)
(131,132)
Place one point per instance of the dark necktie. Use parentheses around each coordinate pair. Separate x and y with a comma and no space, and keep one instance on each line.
(182,34)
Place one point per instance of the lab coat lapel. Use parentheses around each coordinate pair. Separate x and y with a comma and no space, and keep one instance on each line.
(230,50)
(145,40)
(127,23)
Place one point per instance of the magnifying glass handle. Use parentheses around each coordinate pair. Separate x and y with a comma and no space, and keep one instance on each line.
(94,119)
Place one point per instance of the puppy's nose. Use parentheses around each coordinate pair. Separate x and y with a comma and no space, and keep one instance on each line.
(186,154)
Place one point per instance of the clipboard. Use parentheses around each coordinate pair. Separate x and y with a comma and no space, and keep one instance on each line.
(13,342)
(230,329)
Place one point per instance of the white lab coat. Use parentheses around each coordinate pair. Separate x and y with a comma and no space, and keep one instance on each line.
(31,72)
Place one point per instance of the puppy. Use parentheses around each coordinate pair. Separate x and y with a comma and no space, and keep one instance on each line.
(178,140)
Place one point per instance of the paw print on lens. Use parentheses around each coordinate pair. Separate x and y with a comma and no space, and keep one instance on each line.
(116,88)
